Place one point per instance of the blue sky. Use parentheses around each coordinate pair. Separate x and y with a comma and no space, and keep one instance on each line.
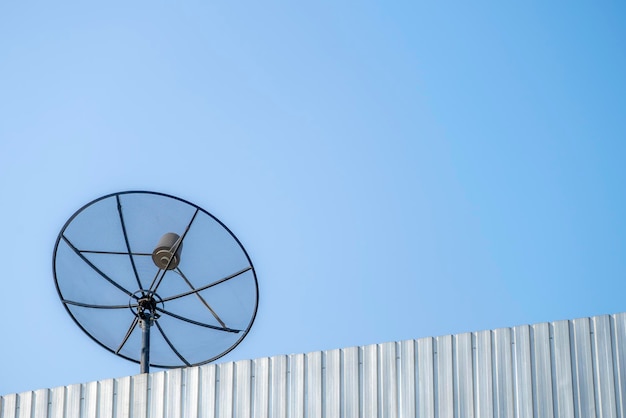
(394,171)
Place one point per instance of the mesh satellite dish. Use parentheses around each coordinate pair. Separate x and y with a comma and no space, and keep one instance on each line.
(132,263)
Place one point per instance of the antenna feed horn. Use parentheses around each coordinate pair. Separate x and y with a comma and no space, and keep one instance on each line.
(166,255)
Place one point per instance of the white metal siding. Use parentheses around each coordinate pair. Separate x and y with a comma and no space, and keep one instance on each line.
(561,369)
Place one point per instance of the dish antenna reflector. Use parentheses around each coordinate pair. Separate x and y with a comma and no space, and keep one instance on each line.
(131,262)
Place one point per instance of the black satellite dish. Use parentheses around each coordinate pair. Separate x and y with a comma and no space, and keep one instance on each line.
(130,262)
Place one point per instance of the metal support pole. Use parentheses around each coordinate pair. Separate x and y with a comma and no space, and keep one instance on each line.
(145,344)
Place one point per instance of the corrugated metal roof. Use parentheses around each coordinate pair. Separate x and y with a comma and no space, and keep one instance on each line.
(561,369)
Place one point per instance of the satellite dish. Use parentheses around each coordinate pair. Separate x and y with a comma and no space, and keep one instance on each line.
(155,279)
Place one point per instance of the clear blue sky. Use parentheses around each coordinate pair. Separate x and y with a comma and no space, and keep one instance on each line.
(394,170)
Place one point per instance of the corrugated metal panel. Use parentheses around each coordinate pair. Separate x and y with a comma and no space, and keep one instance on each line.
(350,372)
(193,385)
(562,369)
(332,383)
(25,405)
(503,373)
(296,386)
(522,377)
(483,375)
(314,385)
(243,383)
(207,391)
(618,330)
(8,405)
(278,387)
(543,404)
(463,376)
(225,392)
(388,386)
(444,383)
(603,361)
(41,400)
(406,379)
(107,399)
(369,377)
(261,388)
(584,389)
(425,378)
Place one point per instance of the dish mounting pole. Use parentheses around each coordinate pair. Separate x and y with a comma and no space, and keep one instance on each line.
(146,314)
